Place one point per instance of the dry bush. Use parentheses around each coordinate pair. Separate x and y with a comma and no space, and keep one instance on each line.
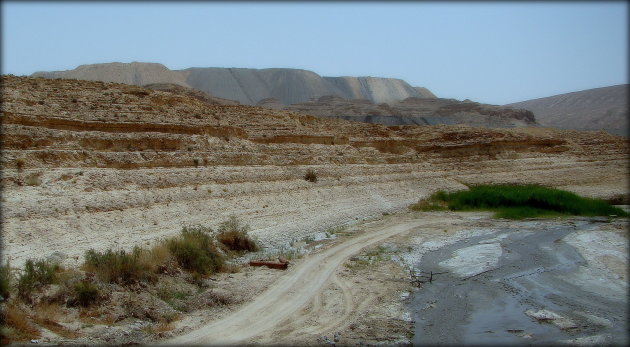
(17,326)
(310,176)
(195,251)
(54,326)
(233,235)
(86,293)
(97,315)
(120,266)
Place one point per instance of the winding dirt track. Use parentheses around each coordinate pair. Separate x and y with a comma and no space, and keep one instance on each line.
(294,290)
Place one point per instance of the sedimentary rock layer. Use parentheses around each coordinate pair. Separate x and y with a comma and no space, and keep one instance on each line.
(102,165)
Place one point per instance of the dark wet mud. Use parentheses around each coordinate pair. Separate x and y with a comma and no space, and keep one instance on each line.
(528,286)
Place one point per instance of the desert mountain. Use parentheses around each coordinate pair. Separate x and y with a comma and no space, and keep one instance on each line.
(104,165)
(593,109)
(410,111)
(248,86)
(368,99)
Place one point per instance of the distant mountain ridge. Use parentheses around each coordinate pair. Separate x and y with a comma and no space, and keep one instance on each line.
(593,109)
(248,86)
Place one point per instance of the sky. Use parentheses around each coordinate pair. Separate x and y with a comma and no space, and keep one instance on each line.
(490,52)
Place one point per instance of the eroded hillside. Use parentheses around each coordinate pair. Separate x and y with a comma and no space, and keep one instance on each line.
(593,109)
(411,111)
(100,165)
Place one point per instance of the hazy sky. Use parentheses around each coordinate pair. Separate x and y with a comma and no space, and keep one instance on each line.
(491,52)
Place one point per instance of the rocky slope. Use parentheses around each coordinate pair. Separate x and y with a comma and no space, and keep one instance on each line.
(248,86)
(99,165)
(410,111)
(593,109)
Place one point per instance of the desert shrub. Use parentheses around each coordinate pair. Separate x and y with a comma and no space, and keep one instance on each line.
(310,176)
(86,293)
(16,326)
(120,266)
(522,201)
(195,251)
(233,235)
(5,281)
(36,274)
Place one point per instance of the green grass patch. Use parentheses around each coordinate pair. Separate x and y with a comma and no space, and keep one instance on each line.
(520,201)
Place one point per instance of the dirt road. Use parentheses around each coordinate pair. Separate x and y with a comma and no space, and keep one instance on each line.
(297,288)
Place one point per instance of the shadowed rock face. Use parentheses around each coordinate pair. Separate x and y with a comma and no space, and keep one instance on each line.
(410,111)
(248,86)
(593,109)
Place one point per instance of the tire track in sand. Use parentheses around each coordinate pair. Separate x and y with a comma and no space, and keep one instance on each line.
(294,290)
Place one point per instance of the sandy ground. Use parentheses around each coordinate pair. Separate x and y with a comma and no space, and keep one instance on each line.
(537,281)
(320,301)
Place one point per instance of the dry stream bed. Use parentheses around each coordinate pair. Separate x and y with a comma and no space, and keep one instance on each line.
(497,281)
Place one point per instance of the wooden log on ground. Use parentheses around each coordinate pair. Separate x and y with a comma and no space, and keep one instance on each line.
(269,264)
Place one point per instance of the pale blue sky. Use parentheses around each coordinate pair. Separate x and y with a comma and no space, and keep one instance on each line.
(491,52)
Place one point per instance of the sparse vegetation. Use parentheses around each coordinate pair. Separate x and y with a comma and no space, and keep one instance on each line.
(370,257)
(36,274)
(86,293)
(310,176)
(120,266)
(16,326)
(518,202)
(184,260)
(233,235)
(195,251)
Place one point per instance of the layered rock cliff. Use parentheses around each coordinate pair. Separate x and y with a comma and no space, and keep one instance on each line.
(411,111)
(105,165)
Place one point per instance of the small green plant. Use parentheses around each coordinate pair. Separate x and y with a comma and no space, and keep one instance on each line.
(195,250)
(233,235)
(310,176)
(36,274)
(86,293)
